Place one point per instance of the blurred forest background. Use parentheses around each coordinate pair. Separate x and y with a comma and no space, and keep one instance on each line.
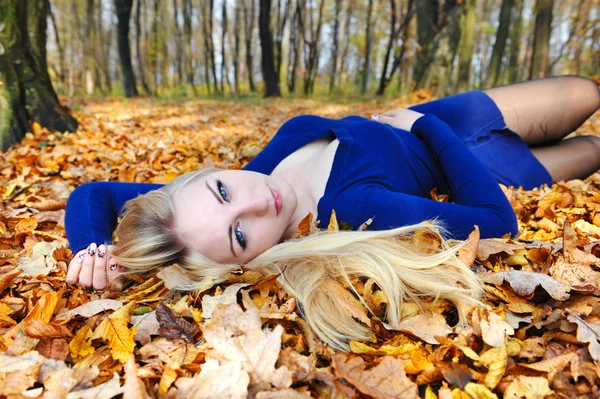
(337,50)
(306,47)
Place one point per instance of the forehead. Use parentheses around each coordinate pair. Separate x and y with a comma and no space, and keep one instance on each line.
(199,221)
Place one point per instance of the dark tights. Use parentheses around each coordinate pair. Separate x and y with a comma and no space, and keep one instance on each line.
(543,112)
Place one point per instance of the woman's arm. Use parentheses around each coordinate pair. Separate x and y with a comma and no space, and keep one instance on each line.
(93,208)
(476,195)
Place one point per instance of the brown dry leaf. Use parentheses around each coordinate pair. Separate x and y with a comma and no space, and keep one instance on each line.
(41,329)
(588,331)
(173,326)
(229,296)
(89,309)
(386,380)
(19,381)
(352,306)
(114,330)
(107,390)
(466,254)
(236,336)
(495,330)
(528,388)
(491,246)
(216,380)
(145,326)
(425,327)
(524,283)
(333,225)
(7,278)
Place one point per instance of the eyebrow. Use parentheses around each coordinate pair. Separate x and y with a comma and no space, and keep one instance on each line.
(230,232)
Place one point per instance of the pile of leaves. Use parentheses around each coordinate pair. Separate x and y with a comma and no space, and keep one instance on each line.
(539,335)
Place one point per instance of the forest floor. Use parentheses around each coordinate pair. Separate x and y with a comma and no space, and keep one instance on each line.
(539,336)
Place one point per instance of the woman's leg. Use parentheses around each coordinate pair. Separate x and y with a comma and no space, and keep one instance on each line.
(546,110)
(572,158)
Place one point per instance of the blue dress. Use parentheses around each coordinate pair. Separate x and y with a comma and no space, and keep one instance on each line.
(460,147)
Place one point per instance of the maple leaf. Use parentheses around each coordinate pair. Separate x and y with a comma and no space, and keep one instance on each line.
(229,296)
(386,380)
(114,330)
(173,326)
(237,336)
(528,388)
(216,380)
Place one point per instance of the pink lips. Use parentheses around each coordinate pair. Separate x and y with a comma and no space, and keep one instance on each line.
(278,200)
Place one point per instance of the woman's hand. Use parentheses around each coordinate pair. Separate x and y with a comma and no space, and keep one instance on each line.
(91,267)
(400,118)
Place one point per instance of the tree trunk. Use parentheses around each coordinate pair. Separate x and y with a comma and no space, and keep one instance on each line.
(27,92)
(427,21)
(123,8)
(61,54)
(90,46)
(249,17)
(395,32)
(345,41)
(224,72)
(498,51)
(515,43)
(334,50)
(187,34)
(267,56)
(541,39)
(138,49)
(311,37)
(368,45)
(294,53)
(103,50)
(445,49)
(465,52)
(178,44)
(236,48)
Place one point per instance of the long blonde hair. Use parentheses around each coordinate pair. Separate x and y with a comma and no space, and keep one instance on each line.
(307,266)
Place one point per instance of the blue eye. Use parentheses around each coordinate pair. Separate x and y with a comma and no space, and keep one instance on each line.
(222,191)
(239,236)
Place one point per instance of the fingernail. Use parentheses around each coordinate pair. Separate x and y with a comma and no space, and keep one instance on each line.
(92,249)
(113,267)
(375,117)
(80,257)
(101,251)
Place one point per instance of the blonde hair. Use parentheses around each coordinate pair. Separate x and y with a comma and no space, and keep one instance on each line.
(308,266)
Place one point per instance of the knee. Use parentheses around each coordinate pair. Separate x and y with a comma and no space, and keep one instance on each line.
(583,91)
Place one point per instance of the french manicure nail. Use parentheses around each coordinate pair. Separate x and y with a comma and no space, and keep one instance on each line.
(101,251)
(92,249)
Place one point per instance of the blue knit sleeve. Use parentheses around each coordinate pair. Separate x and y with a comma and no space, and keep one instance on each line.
(93,208)
(476,197)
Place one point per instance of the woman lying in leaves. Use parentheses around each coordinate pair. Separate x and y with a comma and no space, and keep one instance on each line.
(210,222)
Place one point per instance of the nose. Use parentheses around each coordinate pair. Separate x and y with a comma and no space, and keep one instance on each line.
(256,205)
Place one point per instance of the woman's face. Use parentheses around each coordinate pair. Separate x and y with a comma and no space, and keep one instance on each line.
(232,216)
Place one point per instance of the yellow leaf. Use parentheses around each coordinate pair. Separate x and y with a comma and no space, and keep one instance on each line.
(528,388)
(495,360)
(478,391)
(333,223)
(80,344)
(114,330)
(429,394)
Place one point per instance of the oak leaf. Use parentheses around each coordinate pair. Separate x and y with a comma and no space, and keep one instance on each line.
(588,331)
(524,283)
